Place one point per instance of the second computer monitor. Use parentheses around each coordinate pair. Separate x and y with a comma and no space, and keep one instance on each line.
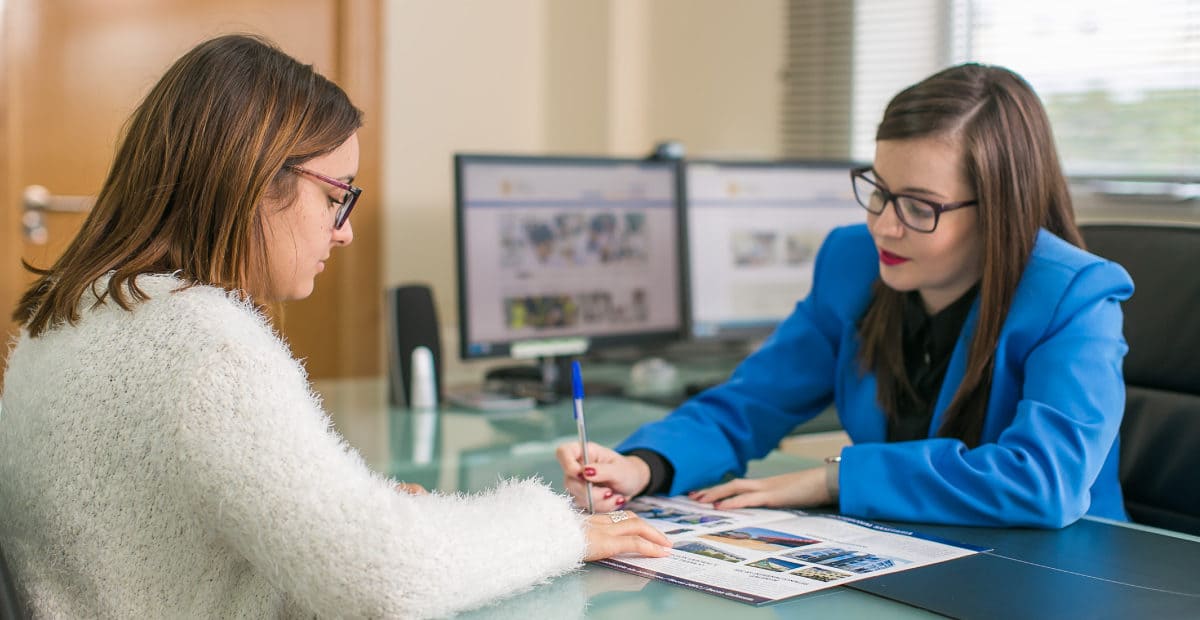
(558,255)
(753,230)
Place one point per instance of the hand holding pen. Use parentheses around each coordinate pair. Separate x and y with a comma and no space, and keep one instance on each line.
(613,477)
(580,424)
(599,478)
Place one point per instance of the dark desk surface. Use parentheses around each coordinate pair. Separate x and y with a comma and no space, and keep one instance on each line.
(1094,568)
(1091,569)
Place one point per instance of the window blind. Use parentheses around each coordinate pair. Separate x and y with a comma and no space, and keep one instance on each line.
(1120,80)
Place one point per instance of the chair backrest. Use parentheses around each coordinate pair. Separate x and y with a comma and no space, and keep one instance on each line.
(10,600)
(1160,435)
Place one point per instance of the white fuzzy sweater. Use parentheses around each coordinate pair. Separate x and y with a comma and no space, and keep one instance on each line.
(172,462)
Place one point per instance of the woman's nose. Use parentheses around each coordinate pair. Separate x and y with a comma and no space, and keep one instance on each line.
(344,235)
(888,222)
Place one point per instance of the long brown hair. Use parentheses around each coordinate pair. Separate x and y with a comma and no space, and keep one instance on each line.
(200,155)
(1012,165)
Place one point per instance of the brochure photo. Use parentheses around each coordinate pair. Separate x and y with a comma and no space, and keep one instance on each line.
(759,556)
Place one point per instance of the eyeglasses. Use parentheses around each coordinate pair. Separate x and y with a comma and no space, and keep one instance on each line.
(916,213)
(348,200)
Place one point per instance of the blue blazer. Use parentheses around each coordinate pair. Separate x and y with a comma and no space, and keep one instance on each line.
(1049,448)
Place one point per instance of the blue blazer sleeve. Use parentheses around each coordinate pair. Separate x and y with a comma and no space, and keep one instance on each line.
(789,380)
(1053,416)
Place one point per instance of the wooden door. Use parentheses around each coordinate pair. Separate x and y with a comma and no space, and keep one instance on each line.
(72,72)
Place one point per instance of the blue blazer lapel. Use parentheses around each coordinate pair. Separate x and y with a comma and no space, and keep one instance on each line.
(956,369)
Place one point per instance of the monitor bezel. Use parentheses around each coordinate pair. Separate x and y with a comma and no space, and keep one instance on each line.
(648,339)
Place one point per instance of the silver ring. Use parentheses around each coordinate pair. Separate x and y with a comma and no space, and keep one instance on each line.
(618,516)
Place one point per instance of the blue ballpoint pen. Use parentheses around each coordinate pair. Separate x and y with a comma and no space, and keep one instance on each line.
(577,393)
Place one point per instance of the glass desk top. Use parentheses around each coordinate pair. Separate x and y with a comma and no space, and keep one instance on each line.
(460,450)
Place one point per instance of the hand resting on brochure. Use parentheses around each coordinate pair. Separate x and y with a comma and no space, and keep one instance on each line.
(608,537)
(760,555)
(803,488)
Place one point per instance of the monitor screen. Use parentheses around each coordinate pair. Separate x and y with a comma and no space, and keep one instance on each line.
(752,234)
(559,255)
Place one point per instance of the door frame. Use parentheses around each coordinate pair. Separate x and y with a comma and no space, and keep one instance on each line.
(338,331)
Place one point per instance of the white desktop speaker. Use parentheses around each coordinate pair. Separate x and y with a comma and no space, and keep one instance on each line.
(412,322)
(424,381)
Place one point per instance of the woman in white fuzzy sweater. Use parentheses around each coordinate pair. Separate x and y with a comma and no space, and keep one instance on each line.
(161,453)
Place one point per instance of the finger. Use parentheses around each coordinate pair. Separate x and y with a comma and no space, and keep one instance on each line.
(643,546)
(597,452)
(579,491)
(574,453)
(602,504)
(637,527)
(618,475)
(609,539)
(411,488)
(568,458)
(604,499)
(579,487)
(627,523)
(745,500)
(721,491)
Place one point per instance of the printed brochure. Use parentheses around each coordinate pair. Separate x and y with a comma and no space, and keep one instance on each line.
(760,556)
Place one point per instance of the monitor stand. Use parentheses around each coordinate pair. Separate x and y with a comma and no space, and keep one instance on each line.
(547,381)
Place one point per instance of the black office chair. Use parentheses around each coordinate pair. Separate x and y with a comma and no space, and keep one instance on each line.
(10,600)
(1160,436)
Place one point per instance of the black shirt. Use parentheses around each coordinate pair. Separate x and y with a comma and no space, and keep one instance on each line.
(928,344)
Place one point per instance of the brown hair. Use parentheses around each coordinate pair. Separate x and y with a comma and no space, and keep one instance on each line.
(1011,163)
(200,155)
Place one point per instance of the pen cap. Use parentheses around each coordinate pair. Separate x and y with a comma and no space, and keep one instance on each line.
(576,380)
(424,384)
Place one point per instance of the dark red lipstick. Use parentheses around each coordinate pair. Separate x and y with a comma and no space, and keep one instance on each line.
(888,258)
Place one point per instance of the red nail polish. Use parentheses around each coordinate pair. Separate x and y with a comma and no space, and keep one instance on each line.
(589,471)
(621,501)
(607,494)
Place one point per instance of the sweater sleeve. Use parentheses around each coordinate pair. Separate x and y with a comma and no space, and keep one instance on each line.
(1039,470)
(261,466)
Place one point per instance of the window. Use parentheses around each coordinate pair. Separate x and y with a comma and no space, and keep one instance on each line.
(1120,80)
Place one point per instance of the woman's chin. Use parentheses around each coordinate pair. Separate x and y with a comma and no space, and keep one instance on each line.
(896,282)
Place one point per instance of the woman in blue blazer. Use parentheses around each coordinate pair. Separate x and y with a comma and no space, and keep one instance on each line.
(972,349)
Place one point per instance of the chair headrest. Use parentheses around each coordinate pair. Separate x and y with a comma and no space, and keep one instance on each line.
(1162,322)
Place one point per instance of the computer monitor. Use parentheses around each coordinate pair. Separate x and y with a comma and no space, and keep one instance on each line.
(752,233)
(560,255)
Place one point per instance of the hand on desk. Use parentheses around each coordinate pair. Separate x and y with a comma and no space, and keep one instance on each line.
(607,537)
(797,490)
(615,477)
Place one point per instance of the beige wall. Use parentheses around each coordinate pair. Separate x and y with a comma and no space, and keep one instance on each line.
(549,76)
(583,77)
(458,76)
(714,68)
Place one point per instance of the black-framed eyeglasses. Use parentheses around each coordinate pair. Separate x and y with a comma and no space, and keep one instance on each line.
(347,202)
(916,213)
